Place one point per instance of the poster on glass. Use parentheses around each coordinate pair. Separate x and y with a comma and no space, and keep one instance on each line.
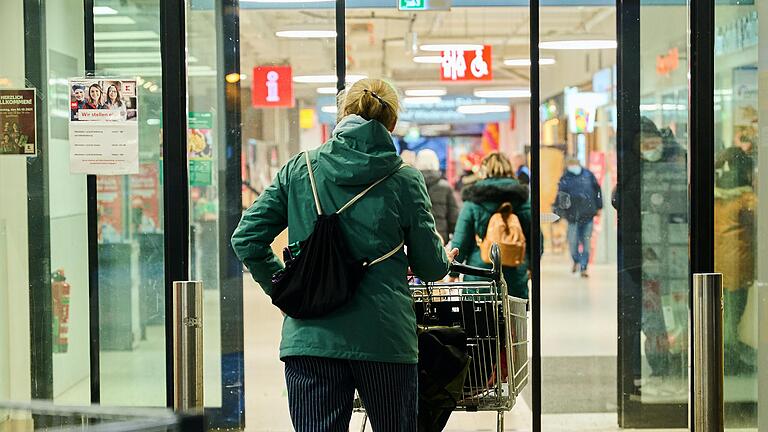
(103,127)
(17,122)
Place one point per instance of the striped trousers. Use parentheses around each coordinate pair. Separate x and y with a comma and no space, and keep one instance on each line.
(321,392)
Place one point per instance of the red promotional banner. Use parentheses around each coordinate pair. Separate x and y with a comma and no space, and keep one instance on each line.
(272,86)
(472,65)
(145,198)
(597,165)
(109,199)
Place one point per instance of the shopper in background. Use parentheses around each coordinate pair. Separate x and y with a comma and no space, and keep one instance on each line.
(522,172)
(481,200)
(369,344)
(409,157)
(444,206)
(579,200)
(735,204)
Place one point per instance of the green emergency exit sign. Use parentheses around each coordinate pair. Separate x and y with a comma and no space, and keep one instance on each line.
(412,4)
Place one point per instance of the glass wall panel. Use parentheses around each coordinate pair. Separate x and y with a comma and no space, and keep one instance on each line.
(43,221)
(14,252)
(131,279)
(739,68)
(651,200)
(578,170)
(67,193)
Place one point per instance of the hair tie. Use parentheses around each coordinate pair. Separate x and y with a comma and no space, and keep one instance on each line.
(373,93)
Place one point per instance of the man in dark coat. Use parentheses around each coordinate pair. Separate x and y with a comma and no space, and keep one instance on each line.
(444,206)
(579,200)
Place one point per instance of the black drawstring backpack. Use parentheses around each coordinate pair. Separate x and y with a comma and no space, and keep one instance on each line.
(323,275)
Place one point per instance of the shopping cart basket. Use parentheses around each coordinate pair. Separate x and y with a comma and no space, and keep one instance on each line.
(496,329)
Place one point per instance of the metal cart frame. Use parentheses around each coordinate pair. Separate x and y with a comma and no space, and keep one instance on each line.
(496,327)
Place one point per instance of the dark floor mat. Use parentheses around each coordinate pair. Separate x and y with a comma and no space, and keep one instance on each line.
(577,385)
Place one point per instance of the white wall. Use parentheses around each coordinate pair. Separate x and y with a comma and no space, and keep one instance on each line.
(69,229)
(14,272)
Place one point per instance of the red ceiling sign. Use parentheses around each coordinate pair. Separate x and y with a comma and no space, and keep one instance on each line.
(472,65)
(668,63)
(272,86)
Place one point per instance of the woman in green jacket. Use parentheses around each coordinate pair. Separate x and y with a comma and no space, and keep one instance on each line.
(369,344)
(481,200)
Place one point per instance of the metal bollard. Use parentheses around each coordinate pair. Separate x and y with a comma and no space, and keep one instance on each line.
(707,355)
(188,346)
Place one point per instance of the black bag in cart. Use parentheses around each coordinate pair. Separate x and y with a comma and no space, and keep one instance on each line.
(322,275)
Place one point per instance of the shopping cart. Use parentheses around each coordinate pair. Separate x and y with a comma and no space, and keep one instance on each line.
(496,329)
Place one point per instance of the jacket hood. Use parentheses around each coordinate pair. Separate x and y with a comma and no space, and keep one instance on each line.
(359,152)
(496,191)
(431,177)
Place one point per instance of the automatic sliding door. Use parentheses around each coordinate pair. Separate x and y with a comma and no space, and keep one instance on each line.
(651,200)
(130,216)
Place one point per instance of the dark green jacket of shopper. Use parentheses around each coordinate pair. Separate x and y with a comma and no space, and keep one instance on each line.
(481,200)
(379,323)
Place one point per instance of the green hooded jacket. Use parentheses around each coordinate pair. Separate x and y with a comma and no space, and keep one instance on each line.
(481,200)
(379,323)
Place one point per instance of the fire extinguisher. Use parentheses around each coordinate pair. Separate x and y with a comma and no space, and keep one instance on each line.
(60,293)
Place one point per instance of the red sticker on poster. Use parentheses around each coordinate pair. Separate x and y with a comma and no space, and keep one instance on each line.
(272,86)
(471,65)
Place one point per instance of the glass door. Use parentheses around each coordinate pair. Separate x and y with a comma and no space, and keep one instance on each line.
(739,114)
(652,203)
(614,166)
(131,282)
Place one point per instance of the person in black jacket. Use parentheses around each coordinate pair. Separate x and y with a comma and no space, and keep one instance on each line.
(444,207)
(579,200)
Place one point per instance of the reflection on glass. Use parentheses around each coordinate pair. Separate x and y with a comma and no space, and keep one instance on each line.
(737,202)
(664,210)
(653,205)
(130,219)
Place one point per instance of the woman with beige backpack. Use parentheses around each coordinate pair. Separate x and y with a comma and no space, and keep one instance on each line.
(496,209)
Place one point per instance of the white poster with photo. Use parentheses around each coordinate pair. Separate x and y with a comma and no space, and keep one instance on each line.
(103,126)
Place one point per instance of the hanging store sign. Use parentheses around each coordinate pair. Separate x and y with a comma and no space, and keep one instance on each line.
(442,111)
(272,87)
(18,122)
(668,63)
(471,65)
(103,126)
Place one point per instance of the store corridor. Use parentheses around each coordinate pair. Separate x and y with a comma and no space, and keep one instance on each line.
(579,358)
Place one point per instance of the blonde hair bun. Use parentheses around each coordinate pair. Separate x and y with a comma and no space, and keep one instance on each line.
(371,99)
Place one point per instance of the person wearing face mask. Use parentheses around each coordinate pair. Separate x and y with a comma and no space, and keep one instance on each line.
(579,200)
(651,200)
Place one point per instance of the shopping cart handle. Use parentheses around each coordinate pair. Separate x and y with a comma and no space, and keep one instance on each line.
(492,273)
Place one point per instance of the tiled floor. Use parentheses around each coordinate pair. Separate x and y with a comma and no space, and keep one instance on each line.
(578,319)
(578,349)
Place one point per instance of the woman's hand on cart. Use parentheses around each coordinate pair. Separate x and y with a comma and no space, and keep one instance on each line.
(452,254)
